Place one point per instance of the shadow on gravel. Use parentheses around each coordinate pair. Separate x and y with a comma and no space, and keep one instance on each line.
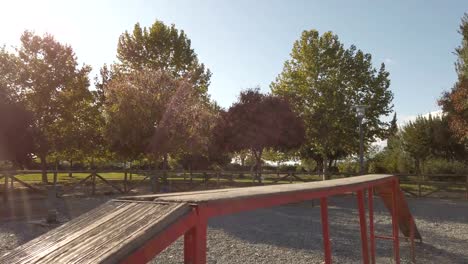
(440,210)
(298,226)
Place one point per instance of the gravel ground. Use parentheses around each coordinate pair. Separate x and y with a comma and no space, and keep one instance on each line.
(292,234)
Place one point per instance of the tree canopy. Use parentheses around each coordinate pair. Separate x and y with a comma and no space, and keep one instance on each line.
(258,121)
(162,47)
(44,76)
(455,102)
(323,81)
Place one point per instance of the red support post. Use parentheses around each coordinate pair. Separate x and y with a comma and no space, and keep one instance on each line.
(370,202)
(195,242)
(396,241)
(413,255)
(362,222)
(325,230)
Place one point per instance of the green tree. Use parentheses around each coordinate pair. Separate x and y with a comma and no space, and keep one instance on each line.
(416,136)
(462,50)
(162,47)
(393,128)
(323,81)
(135,104)
(47,74)
(80,123)
(187,125)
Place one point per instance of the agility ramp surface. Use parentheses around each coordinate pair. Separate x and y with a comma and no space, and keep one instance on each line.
(135,229)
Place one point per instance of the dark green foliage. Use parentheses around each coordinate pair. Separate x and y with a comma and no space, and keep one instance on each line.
(162,47)
(323,81)
(426,145)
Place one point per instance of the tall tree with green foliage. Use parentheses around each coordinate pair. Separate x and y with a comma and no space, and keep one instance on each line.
(421,140)
(162,47)
(46,79)
(416,136)
(135,104)
(323,81)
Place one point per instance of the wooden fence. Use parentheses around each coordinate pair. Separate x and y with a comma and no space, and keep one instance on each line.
(179,180)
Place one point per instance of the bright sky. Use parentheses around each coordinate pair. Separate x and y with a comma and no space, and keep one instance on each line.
(245,43)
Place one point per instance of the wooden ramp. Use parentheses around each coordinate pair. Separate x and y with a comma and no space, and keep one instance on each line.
(404,214)
(134,229)
(107,234)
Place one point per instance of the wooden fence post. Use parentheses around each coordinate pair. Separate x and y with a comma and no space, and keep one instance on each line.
(466,188)
(5,188)
(125,181)
(419,186)
(205,176)
(154,182)
(93,182)
(55,177)
(191,177)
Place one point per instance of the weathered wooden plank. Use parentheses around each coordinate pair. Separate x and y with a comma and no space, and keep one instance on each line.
(251,192)
(106,234)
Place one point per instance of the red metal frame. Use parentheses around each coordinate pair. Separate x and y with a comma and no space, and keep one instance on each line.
(396,241)
(195,241)
(325,230)
(370,200)
(363,225)
(194,225)
(153,247)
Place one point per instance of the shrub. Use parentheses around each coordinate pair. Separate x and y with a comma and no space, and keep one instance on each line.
(441,166)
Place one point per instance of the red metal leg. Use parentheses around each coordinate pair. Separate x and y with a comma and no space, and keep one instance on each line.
(370,201)
(412,224)
(195,243)
(325,230)
(396,241)
(362,222)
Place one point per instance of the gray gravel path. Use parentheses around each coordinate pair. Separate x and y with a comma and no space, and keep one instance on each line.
(292,234)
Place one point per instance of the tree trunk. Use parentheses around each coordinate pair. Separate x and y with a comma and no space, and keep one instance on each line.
(319,163)
(416,164)
(325,168)
(44,168)
(165,166)
(278,169)
(70,173)
(258,165)
(259,169)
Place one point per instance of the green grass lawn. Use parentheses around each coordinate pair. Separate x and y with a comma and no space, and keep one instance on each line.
(197,177)
(64,177)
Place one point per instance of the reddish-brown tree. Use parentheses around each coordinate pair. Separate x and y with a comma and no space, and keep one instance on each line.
(455,104)
(258,121)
